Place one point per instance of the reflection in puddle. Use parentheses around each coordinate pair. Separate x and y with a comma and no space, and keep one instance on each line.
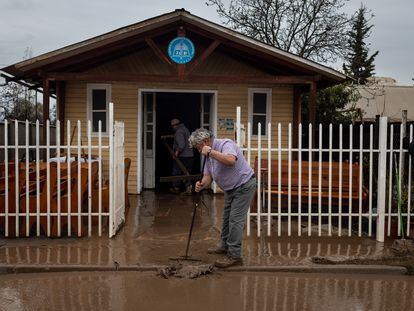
(157,228)
(230,291)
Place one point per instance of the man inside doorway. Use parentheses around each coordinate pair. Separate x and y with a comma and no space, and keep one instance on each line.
(184,153)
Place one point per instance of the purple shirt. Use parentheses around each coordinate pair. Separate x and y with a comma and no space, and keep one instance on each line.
(228,177)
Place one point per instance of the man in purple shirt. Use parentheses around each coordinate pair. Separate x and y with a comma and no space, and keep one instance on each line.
(227,166)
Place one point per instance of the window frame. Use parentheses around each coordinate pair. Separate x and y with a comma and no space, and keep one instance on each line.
(90,88)
(268,93)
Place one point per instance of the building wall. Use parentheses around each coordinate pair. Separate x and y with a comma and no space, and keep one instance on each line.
(125,99)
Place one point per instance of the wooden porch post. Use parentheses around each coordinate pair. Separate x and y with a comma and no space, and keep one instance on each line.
(312,104)
(46,101)
(297,114)
(60,105)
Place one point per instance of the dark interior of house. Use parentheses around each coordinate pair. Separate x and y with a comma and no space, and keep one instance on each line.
(186,108)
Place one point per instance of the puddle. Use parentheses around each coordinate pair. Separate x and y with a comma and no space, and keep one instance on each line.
(232,291)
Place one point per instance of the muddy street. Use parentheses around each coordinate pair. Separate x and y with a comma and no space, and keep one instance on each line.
(156,228)
(227,291)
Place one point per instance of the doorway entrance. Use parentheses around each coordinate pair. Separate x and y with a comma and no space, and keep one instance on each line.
(193,108)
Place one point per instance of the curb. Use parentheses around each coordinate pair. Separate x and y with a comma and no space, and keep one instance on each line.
(9,269)
(339,269)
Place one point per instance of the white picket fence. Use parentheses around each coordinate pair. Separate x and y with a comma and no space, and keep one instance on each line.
(302,207)
(63,187)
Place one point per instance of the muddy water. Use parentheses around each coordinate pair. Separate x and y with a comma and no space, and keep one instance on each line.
(157,227)
(144,291)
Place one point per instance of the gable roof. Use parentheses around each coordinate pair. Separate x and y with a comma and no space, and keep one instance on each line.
(30,68)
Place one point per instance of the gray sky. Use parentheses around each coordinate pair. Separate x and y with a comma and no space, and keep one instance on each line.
(45,25)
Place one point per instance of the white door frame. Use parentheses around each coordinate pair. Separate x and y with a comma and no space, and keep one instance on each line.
(140,124)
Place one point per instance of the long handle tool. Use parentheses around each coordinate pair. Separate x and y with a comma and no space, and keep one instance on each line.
(186,256)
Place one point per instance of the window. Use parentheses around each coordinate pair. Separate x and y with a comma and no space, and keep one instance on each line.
(206,103)
(99,96)
(259,109)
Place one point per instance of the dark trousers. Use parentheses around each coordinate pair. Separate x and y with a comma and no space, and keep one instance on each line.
(176,171)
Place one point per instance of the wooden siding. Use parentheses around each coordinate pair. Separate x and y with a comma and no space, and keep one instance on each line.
(146,62)
(125,98)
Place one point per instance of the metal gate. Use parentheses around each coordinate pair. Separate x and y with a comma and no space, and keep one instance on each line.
(334,185)
(53,186)
(117,210)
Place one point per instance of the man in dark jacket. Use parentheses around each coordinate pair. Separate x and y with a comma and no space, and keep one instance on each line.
(183,152)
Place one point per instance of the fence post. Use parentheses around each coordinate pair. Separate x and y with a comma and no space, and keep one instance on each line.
(111,170)
(238,126)
(382,175)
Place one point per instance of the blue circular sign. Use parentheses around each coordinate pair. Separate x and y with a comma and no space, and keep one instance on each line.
(181,50)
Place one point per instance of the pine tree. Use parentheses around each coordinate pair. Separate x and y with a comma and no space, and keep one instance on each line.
(358,64)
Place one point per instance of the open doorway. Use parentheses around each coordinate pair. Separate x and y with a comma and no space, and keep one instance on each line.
(185,107)
(194,109)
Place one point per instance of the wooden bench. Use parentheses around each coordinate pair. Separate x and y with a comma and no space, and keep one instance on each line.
(349,189)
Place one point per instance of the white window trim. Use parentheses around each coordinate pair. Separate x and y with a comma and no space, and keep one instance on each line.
(96,86)
(268,92)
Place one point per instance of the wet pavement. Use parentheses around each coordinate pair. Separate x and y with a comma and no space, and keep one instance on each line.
(156,229)
(232,291)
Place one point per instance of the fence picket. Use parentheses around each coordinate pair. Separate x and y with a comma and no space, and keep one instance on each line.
(27,156)
(279,179)
(17,173)
(371,159)
(259,177)
(351,146)
(100,178)
(390,177)
(310,135)
(330,183)
(69,162)
(6,180)
(269,177)
(361,141)
(340,180)
(48,175)
(409,186)
(249,154)
(399,172)
(89,178)
(320,183)
(300,180)
(58,183)
(289,179)
(79,178)
(38,178)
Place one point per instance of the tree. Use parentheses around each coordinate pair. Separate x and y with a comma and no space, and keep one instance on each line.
(335,104)
(313,29)
(18,102)
(358,64)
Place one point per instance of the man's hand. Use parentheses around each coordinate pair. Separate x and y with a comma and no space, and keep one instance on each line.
(177,153)
(205,150)
(199,186)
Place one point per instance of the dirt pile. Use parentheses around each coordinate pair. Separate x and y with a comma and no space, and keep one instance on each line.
(185,271)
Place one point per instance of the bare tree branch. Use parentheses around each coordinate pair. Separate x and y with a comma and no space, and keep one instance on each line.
(314,29)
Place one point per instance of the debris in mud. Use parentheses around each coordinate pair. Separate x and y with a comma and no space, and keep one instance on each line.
(185,271)
(403,246)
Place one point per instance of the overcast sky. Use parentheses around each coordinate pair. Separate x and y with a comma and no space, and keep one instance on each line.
(45,25)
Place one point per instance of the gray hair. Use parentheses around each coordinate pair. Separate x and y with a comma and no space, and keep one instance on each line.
(199,135)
